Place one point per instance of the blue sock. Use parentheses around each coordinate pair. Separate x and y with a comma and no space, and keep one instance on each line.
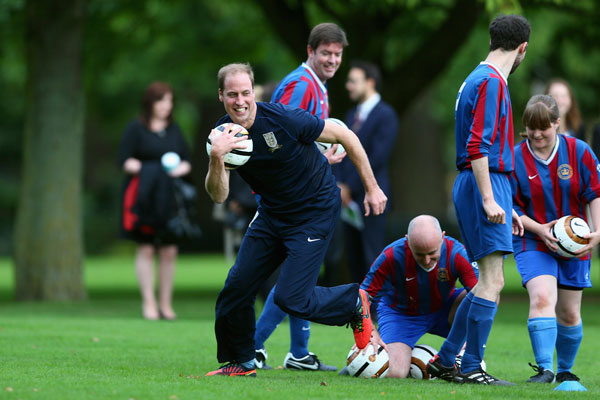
(269,319)
(480,320)
(568,339)
(299,333)
(458,332)
(542,332)
(248,364)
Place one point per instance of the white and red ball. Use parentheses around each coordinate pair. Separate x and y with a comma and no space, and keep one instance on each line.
(569,231)
(421,354)
(236,157)
(371,364)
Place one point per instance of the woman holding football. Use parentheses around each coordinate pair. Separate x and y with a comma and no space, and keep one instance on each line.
(554,175)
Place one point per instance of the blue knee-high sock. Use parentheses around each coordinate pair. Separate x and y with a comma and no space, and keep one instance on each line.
(458,332)
(299,334)
(270,317)
(542,332)
(479,325)
(568,339)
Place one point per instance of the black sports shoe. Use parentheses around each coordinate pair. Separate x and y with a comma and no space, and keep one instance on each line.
(436,369)
(479,377)
(233,369)
(310,362)
(566,376)
(542,376)
(260,359)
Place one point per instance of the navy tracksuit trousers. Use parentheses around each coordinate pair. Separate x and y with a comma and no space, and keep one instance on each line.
(299,246)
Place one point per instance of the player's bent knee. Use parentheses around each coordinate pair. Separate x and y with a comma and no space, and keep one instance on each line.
(570,318)
(286,303)
(398,371)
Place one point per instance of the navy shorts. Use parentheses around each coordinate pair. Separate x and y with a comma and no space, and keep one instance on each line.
(480,236)
(568,272)
(395,326)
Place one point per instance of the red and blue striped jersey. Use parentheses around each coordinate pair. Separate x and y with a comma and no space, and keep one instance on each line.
(396,279)
(302,88)
(546,190)
(483,120)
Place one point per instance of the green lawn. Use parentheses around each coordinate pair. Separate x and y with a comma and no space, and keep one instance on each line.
(102,349)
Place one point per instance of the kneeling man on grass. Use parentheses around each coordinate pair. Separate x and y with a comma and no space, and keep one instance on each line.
(412,282)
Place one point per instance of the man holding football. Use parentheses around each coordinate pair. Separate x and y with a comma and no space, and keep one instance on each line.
(306,88)
(299,205)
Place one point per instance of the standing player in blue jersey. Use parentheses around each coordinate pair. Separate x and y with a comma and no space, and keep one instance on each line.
(413,283)
(555,175)
(298,208)
(482,191)
(306,88)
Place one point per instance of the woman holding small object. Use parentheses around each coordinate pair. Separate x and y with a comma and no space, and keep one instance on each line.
(152,152)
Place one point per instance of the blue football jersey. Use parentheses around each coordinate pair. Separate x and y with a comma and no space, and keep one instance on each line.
(483,120)
(396,279)
(546,190)
(286,169)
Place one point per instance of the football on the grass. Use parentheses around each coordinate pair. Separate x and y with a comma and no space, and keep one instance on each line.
(421,354)
(569,230)
(236,157)
(371,364)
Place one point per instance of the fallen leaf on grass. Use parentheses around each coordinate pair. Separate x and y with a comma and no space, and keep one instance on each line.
(383,393)
(453,392)
(95,339)
(9,389)
(173,397)
(35,389)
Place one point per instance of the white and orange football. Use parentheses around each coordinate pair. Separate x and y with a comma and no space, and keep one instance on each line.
(569,231)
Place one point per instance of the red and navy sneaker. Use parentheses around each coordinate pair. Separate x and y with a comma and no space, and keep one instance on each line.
(233,369)
(435,368)
(361,323)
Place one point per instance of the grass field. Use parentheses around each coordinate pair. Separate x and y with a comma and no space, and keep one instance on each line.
(102,349)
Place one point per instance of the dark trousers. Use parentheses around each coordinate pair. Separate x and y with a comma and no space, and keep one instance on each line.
(363,246)
(299,247)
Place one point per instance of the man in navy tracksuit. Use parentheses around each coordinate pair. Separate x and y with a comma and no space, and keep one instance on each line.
(295,219)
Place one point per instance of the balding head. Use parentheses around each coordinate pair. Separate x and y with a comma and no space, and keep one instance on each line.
(425,240)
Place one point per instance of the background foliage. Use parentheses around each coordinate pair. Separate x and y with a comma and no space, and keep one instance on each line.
(129,43)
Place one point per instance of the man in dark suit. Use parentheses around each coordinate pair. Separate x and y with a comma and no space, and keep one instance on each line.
(376,124)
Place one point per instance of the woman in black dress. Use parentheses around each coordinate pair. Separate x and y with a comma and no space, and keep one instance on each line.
(147,197)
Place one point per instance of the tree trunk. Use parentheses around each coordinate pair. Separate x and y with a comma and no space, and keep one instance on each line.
(48,241)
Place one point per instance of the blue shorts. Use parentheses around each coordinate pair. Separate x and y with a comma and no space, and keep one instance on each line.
(480,236)
(395,326)
(573,273)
